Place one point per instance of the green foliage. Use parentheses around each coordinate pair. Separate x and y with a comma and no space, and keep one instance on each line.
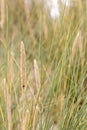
(50,41)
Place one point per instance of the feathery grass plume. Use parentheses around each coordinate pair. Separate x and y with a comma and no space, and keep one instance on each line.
(77,45)
(2,6)
(8,104)
(35,118)
(23,66)
(37,76)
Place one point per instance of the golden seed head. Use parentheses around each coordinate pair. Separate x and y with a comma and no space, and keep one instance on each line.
(23,65)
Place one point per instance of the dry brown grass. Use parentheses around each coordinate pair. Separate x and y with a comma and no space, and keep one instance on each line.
(8,104)
(35,118)
(77,45)
(23,66)
(37,76)
(2,6)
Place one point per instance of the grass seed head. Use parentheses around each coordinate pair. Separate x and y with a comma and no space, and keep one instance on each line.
(23,66)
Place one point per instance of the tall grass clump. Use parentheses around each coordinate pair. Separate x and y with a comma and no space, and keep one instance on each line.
(43,66)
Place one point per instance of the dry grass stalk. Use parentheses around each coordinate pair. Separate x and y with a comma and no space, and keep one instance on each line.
(8,104)
(2,114)
(23,66)
(37,76)
(45,32)
(23,83)
(77,45)
(81,47)
(45,29)
(11,71)
(35,118)
(25,121)
(27,10)
(2,14)
(61,103)
(80,6)
(38,84)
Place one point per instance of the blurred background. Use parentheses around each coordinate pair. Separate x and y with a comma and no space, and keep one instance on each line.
(41,21)
(45,27)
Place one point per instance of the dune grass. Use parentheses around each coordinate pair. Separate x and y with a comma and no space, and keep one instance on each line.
(43,68)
